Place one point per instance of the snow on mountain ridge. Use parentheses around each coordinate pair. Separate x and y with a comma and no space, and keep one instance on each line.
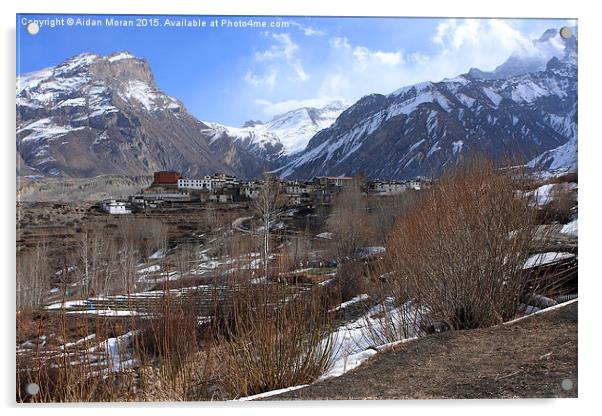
(296,127)
(284,134)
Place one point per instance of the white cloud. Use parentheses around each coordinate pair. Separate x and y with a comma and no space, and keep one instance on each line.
(300,73)
(357,70)
(282,58)
(363,55)
(308,30)
(268,79)
(479,43)
(285,48)
(340,43)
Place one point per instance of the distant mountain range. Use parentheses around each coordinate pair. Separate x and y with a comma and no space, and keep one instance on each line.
(285,134)
(94,115)
(525,109)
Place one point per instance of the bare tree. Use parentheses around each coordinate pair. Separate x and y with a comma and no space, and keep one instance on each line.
(383,210)
(349,221)
(33,280)
(84,259)
(267,206)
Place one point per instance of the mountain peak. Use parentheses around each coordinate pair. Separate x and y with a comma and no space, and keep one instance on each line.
(252,123)
(532,57)
(548,34)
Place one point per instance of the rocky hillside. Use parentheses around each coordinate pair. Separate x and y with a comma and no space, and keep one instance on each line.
(95,115)
(79,189)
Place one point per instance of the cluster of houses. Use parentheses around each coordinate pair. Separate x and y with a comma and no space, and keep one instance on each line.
(170,187)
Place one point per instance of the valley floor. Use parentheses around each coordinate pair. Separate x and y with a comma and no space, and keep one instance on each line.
(529,358)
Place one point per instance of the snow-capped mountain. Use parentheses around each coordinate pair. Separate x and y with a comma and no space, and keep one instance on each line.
(421,129)
(285,134)
(296,127)
(95,114)
(260,142)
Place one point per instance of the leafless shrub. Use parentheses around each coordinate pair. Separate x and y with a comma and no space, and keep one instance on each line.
(145,234)
(389,322)
(276,344)
(170,334)
(383,211)
(352,279)
(461,250)
(80,372)
(169,364)
(186,257)
(267,205)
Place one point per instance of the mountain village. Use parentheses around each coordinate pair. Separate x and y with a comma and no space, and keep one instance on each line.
(170,187)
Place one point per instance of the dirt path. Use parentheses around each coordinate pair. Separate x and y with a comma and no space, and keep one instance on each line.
(237,225)
(529,358)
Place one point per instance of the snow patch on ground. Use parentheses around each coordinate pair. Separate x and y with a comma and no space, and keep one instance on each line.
(150,269)
(358,340)
(159,254)
(570,228)
(348,363)
(271,393)
(326,236)
(546,258)
(356,299)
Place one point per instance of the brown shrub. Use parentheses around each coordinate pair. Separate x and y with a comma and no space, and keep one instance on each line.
(171,331)
(274,343)
(460,252)
(349,221)
(352,279)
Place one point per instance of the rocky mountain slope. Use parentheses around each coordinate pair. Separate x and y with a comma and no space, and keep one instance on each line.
(96,115)
(520,111)
(79,189)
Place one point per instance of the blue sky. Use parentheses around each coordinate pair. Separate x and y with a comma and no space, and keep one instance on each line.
(233,74)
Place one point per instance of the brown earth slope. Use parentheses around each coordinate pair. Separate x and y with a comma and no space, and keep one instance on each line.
(526,359)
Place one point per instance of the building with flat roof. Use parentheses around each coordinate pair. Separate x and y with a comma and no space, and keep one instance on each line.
(166,178)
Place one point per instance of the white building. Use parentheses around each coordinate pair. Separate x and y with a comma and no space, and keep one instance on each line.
(251,190)
(204,184)
(208,183)
(221,180)
(389,187)
(113,206)
(298,188)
